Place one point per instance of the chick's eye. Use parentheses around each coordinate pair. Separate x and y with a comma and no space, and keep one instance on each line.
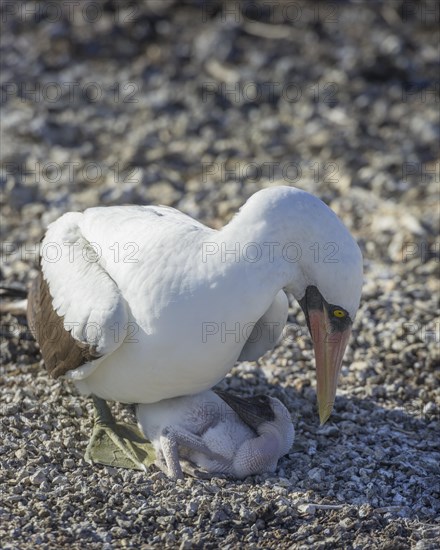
(339,313)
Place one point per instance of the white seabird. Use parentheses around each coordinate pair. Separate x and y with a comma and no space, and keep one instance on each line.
(218,432)
(142,303)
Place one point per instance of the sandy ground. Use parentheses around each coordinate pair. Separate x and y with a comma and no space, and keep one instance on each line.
(197,105)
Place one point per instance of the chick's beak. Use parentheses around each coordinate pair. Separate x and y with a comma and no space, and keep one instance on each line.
(329,346)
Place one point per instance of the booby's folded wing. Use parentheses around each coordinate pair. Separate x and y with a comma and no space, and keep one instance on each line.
(267,330)
(75,308)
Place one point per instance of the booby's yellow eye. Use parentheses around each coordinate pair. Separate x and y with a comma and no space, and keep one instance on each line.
(339,313)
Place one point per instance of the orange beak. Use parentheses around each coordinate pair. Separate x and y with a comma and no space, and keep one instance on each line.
(329,350)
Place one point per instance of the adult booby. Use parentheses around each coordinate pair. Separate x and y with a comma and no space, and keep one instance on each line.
(142,303)
(218,432)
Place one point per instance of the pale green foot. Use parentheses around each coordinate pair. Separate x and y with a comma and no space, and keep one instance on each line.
(116,444)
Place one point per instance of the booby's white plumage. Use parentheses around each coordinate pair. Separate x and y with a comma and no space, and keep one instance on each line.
(207,432)
(167,305)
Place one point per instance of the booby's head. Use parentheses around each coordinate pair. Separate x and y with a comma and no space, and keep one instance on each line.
(321,265)
(328,291)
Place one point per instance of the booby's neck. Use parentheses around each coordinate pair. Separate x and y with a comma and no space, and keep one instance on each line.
(261,249)
(266,241)
(285,238)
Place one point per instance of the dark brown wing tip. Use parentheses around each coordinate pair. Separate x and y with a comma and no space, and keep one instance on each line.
(60,351)
(252,410)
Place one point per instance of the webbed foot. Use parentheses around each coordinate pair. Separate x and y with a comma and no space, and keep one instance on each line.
(116,444)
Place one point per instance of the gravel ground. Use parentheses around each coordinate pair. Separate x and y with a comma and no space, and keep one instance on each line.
(198,105)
